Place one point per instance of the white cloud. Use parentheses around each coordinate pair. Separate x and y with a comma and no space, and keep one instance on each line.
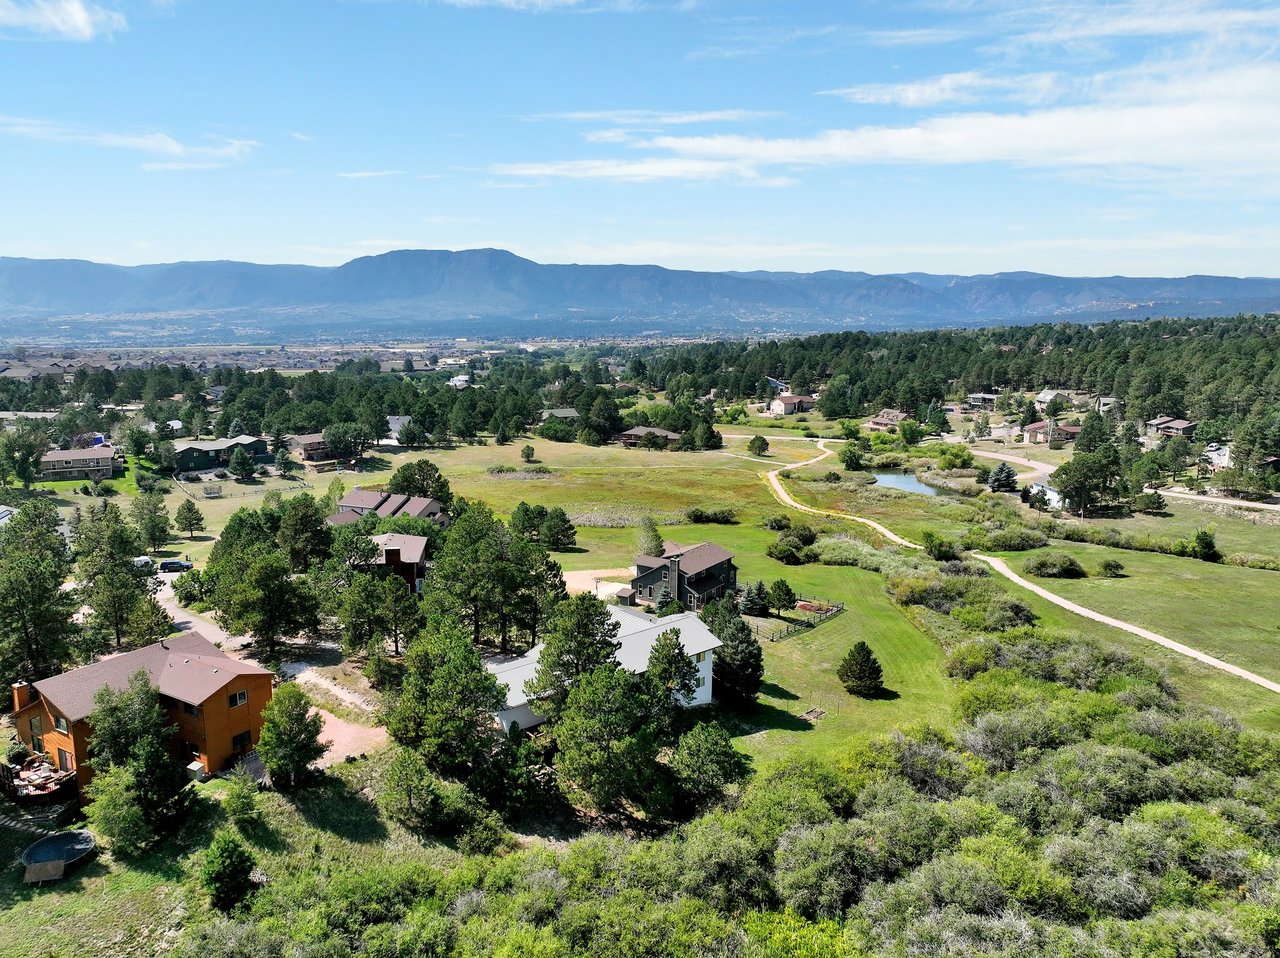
(216,152)
(65,19)
(655,117)
(643,170)
(370,174)
(1220,124)
(965,87)
(1074,23)
(304,137)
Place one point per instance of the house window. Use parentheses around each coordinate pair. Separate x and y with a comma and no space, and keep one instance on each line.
(664,575)
(60,723)
(189,709)
(37,733)
(237,698)
(241,742)
(65,764)
(700,657)
(650,592)
(700,682)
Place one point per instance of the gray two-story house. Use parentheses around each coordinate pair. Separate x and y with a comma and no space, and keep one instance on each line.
(694,575)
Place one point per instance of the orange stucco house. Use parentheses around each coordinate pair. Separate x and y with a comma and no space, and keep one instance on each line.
(215,702)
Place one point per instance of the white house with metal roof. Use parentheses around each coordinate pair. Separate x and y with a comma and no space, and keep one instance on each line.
(637,633)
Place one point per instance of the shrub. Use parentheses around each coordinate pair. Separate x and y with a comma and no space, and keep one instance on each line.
(17,752)
(1054,565)
(832,476)
(1110,568)
(241,799)
(938,547)
(1016,539)
(698,515)
(777,523)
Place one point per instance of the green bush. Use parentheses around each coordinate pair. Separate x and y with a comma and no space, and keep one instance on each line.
(1054,565)
(700,516)
(225,871)
(1110,568)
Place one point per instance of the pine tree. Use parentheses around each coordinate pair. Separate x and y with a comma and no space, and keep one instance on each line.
(188,518)
(758,445)
(860,673)
(1003,479)
(557,533)
(240,464)
(782,597)
(755,600)
(738,665)
(651,543)
(225,871)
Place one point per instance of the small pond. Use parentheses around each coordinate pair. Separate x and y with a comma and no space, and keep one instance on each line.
(906,481)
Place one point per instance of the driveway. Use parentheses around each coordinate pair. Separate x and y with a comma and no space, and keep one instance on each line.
(590,580)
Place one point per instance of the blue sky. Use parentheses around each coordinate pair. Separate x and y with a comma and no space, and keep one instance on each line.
(951,136)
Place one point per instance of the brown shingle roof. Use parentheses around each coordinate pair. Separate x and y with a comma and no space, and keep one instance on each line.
(362,499)
(188,668)
(412,548)
(94,453)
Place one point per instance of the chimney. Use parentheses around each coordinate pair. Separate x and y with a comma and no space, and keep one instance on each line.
(24,694)
(674,585)
(391,556)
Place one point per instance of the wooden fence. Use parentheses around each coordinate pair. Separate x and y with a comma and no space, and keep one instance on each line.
(811,618)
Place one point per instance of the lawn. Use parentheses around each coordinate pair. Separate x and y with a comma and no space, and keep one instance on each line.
(1225,611)
(1235,529)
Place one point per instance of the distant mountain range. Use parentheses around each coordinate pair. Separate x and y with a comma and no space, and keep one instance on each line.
(494,293)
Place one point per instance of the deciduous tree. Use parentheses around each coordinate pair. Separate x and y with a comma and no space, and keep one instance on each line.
(290,739)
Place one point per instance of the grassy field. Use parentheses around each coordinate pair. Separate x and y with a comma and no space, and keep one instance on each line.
(1236,529)
(1226,611)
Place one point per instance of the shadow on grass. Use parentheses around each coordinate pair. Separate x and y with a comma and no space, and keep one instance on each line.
(769,717)
(775,691)
(571,550)
(884,695)
(374,464)
(332,805)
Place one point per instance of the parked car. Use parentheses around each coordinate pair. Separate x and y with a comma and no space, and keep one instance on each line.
(174,565)
(141,562)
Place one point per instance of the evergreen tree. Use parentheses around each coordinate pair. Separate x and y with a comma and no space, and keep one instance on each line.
(860,673)
(527,453)
(557,533)
(421,478)
(781,596)
(151,519)
(1003,479)
(265,601)
(303,534)
(111,585)
(399,612)
(651,543)
(704,762)
(670,681)
(240,464)
(738,665)
(1094,431)
(581,635)
(755,600)
(290,739)
(225,871)
(758,445)
(149,622)
(446,703)
(37,634)
(527,520)
(188,518)
(606,747)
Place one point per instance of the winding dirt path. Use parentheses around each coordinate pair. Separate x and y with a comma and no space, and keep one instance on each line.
(1219,500)
(1002,568)
(782,495)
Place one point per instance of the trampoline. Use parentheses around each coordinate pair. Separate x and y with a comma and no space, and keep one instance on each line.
(71,848)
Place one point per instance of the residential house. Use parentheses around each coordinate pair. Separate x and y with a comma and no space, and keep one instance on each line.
(887,420)
(405,555)
(1168,426)
(1053,498)
(197,454)
(568,414)
(311,447)
(176,428)
(359,501)
(461,381)
(1109,406)
(787,404)
(639,436)
(777,384)
(94,463)
(1046,396)
(637,634)
(215,393)
(214,701)
(694,575)
(985,401)
(8,415)
(1218,456)
(1047,431)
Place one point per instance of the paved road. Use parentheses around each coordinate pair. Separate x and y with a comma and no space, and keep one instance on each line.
(1001,567)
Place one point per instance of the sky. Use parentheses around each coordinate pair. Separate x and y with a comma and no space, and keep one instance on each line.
(948,136)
